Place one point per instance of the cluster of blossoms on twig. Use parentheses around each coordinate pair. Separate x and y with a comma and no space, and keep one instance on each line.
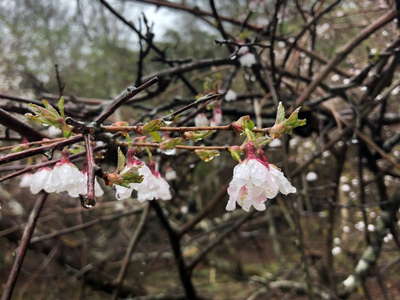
(254,180)
(150,184)
(63,177)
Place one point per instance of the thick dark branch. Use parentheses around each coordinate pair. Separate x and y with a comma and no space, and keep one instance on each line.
(19,99)
(174,239)
(24,130)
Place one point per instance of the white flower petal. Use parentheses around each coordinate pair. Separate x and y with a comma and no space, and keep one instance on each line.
(98,191)
(122,192)
(231,205)
(152,187)
(39,179)
(26,180)
(253,183)
(285,187)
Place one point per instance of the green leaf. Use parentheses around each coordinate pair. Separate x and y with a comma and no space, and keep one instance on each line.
(207,155)
(66,129)
(76,149)
(248,124)
(198,135)
(283,125)
(171,143)
(19,148)
(153,125)
(280,114)
(60,105)
(44,115)
(293,120)
(235,153)
(155,135)
(121,160)
(51,109)
(250,134)
(131,176)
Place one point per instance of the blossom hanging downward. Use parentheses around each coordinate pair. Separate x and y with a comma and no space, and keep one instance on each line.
(255,181)
(153,186)
(63,177)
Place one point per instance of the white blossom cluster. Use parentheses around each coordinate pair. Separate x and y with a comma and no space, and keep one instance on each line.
(63,177)
(152,187)
(255,181)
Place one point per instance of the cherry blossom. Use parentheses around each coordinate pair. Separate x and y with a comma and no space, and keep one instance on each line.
(254,181)
(230,96)
(26,180)
(152,187)
(81,187)
(64,177)
(246,59)
(39,180)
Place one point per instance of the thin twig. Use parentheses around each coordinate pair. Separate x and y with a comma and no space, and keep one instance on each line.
(342,54)
(90,199)
(24,130)
(139,128)
(125,96)
(131,247)
(21,252)
(39,150)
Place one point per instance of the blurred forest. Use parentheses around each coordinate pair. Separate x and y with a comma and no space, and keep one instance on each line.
(336,238)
